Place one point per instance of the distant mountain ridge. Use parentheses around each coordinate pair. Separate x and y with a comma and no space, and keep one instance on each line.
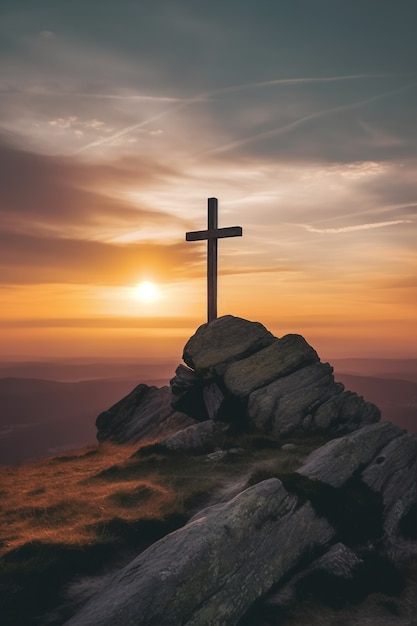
(40,416)
(404,369)
(73,370)
(396,398)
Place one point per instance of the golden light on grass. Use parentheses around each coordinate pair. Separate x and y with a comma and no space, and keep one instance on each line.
(72,499)
(61,499)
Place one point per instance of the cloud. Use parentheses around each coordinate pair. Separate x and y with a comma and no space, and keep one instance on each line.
(356,228)
(213,93)
(72,121)
(61,219)
(306,80)
(105,321)
(26,259)
(41,193)
(48,35)
(134,127)
(287,128)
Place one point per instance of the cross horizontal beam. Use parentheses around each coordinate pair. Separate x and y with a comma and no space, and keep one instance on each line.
(217,233)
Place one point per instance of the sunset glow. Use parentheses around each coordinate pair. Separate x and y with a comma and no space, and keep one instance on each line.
(116,128)
(146,292)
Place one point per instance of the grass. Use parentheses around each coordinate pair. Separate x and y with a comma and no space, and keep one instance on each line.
(57,522)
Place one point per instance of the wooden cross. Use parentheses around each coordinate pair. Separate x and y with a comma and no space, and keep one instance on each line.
(212,234)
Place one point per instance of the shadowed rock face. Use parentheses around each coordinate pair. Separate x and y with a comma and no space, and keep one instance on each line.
(393,473)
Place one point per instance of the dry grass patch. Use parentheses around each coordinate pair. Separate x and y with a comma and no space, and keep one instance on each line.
(72,515)
(55,501)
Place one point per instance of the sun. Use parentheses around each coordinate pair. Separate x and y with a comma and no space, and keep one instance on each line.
(146,291)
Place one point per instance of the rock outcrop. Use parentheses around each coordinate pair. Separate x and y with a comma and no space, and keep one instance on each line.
(197,438)
(237,372)
(334,527)
(144,414)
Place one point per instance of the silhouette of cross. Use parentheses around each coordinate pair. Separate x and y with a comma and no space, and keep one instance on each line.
(212,234)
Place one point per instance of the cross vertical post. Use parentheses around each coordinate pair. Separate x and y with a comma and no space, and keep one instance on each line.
(212,234)
(212,223)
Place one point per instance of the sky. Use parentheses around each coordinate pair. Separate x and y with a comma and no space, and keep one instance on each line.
(118,119)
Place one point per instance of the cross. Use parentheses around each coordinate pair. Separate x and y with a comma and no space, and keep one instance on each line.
(212,234)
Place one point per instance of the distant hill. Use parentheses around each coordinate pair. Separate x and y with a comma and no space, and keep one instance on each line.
(402,369)
(72,370)
(397,399)
(39,418)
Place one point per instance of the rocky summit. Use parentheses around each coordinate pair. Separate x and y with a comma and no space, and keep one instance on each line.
(338,525)
(238,373)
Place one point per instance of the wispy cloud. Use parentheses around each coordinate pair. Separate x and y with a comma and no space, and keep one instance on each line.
(295,81)
(206,96)
(350,229)
(62,196)
(32,259)
(281,130)
(126,130)
(39,90)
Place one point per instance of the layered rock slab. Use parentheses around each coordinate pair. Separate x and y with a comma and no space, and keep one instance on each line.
(145,413)
(197,438)
(336,461)
(283,405)
(223,341)
(281,358)
(210,571)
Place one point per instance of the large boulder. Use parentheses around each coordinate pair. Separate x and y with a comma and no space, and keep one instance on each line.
(282,406)
(281,358)
(145,413)
(223,341)
(345,412)
(339,459)
(210,571)
(197,438)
